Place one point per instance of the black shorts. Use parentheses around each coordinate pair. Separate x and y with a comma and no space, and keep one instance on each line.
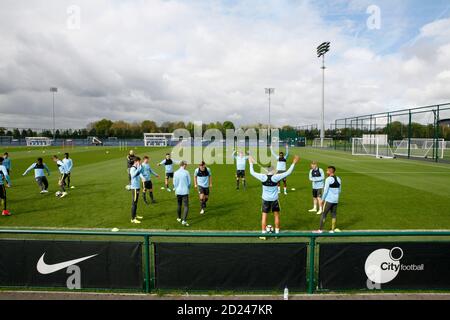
(270,206)
(317,193)
(148,185)
(330,207)
(240,173)
(281,172)
(169,175)
(2,191)
(204,191)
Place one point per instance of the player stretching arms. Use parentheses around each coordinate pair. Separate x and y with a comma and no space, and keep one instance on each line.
(135,187)
(69,165)
(39,168)
(182,184)
(4,176)
(270,193)
(203,180)
(7,162)
(168,163)
(281,166)
(62,180)
(146,175)
(241,162)
(317,177)
(331,199)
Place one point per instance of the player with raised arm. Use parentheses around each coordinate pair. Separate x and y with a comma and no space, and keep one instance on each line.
(62,179)
(331,193)
(135,187)
(241,163)
(317,177)
(146,175)
(182,184)
(281,166)
(203,181)
(68,162)
(39,168)
(5,182)
(270,193)
(168,163)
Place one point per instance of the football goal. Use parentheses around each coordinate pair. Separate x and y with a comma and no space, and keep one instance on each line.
(38,141)
(327,143)
(157,139)
(420,148)
(372,145)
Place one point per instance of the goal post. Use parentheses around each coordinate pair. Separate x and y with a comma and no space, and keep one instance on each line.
(420,148)
(39,141)
(372,145)
(157,139)
(327,143)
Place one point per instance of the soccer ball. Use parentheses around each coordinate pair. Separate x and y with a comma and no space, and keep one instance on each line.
(269,229)
(58,193)
(128,187)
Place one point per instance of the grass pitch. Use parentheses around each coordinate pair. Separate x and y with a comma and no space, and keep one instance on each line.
(377,194)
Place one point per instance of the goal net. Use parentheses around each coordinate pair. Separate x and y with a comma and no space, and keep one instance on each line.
(327,143)
(38,141)
(420,148)
(372,145)
(157,139)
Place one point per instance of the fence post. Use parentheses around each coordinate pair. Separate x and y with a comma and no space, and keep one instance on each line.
(437,147)
(147,262)
(409,134)
(312,247)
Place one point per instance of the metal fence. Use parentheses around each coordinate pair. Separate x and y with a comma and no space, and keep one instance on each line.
(308,239)
(409,131)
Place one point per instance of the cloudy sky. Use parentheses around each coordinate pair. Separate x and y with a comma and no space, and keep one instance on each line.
(210,60)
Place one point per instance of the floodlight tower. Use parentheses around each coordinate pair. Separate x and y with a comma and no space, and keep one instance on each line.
(270,91)
(54,90)
(321,51)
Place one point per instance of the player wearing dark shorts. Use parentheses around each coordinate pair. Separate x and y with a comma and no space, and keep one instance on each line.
(203,181)
(270,193)
(146,175)
(241,163)
(281,166)
(317,178)
(168,163)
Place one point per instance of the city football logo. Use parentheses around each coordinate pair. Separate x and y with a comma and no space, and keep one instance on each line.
(383,265)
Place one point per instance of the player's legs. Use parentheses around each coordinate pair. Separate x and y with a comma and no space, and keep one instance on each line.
(334,216)
(179,206)
(276,215)
(328,207)
(264,222)
(68,180)
(62,183)
(45,182)
(134,205)
(3,198)
(320,203)
(285,185)
(185,200)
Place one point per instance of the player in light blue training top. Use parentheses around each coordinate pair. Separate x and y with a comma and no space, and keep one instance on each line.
(182,184)
(40,168)
(203,181)
(270,193)
(135,187)
(168,163)
(281,166)
(4,177)
(241,163)
(146,176)
(63,175)
(317,177)
(331,193)
(68,162)
(7,162)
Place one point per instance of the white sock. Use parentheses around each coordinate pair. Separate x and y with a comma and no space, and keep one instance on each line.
(315,207)
(285,189)
(277,230)
(264,231)
(279,189)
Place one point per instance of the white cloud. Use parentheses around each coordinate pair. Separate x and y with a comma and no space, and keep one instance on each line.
(174,60)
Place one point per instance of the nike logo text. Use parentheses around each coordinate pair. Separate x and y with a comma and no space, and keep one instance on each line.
(44,268)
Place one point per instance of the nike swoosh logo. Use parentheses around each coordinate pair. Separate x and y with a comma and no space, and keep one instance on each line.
(44,268)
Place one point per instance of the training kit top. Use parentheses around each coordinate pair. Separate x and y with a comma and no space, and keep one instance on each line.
(332,190)
(281,164)
(203,177)
(270,191)
(62,167)
(317,177)
(135,173)
(241,162)
(147,172)
(7,163)
(39,170)
(168,164)
(182,182)
(4,175)
(68,163)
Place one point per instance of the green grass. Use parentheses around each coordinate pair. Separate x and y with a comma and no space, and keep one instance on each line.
(377,194)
